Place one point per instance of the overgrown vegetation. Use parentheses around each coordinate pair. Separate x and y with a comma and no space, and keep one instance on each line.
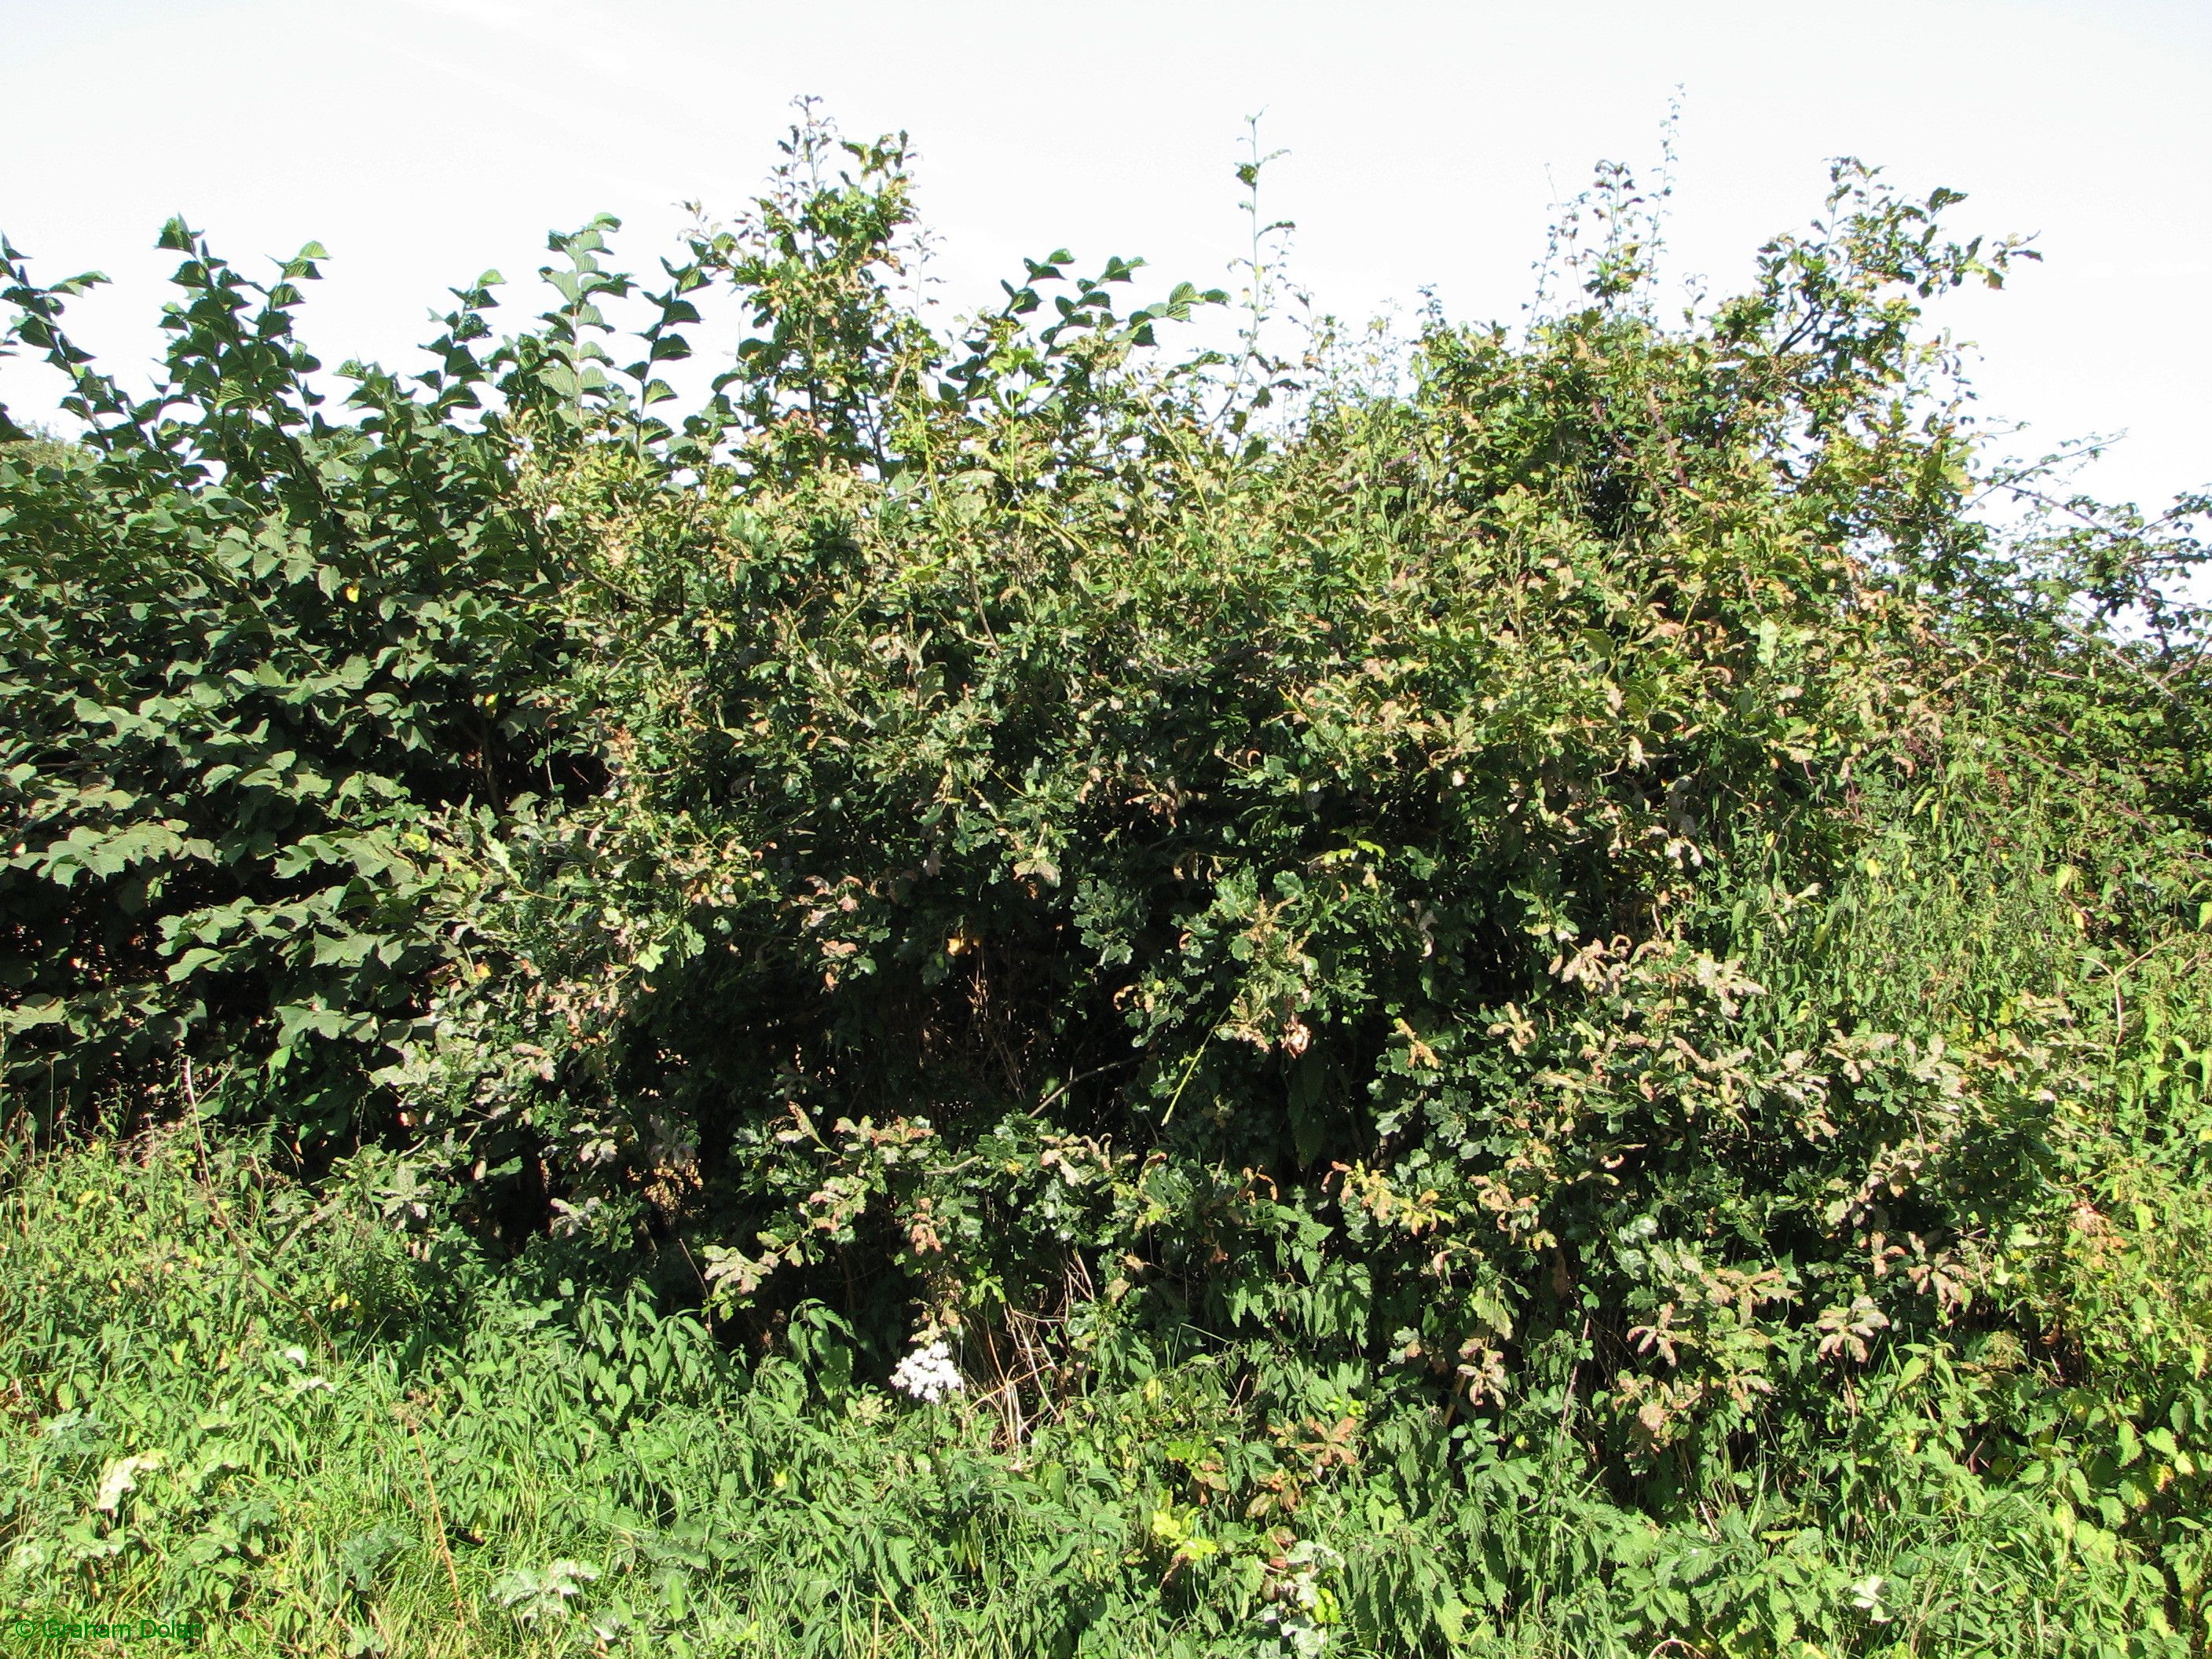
(1558,1009)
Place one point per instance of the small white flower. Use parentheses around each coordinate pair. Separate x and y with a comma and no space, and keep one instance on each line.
(121,1476)
(1867,1596)
(928,1373)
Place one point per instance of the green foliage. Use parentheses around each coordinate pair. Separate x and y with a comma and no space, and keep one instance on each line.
(1562,960)
(243,1401)
(245,651)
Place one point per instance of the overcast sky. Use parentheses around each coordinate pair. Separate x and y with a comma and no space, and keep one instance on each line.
(423,140)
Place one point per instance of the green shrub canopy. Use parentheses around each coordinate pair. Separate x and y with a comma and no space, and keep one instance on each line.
(1601,877)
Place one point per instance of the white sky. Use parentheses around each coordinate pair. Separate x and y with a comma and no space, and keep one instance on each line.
(423,140)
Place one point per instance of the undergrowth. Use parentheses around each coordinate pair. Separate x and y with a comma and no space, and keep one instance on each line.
(241,1401)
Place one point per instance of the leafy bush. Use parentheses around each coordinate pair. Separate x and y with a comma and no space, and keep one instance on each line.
(1595,908)
(246,651)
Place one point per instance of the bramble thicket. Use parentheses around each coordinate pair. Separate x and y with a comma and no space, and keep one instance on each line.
(1545,997)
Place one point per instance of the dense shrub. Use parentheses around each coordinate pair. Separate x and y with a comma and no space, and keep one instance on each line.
(245,650)
(1598,895)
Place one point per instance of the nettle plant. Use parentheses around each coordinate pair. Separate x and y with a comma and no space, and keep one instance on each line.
(986,836)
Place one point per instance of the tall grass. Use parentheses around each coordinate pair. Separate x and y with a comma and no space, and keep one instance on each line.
(340,1439)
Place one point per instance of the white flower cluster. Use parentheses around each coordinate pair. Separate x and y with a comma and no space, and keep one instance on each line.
(928,1373)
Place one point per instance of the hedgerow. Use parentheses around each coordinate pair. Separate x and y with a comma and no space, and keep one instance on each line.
(1603,901)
